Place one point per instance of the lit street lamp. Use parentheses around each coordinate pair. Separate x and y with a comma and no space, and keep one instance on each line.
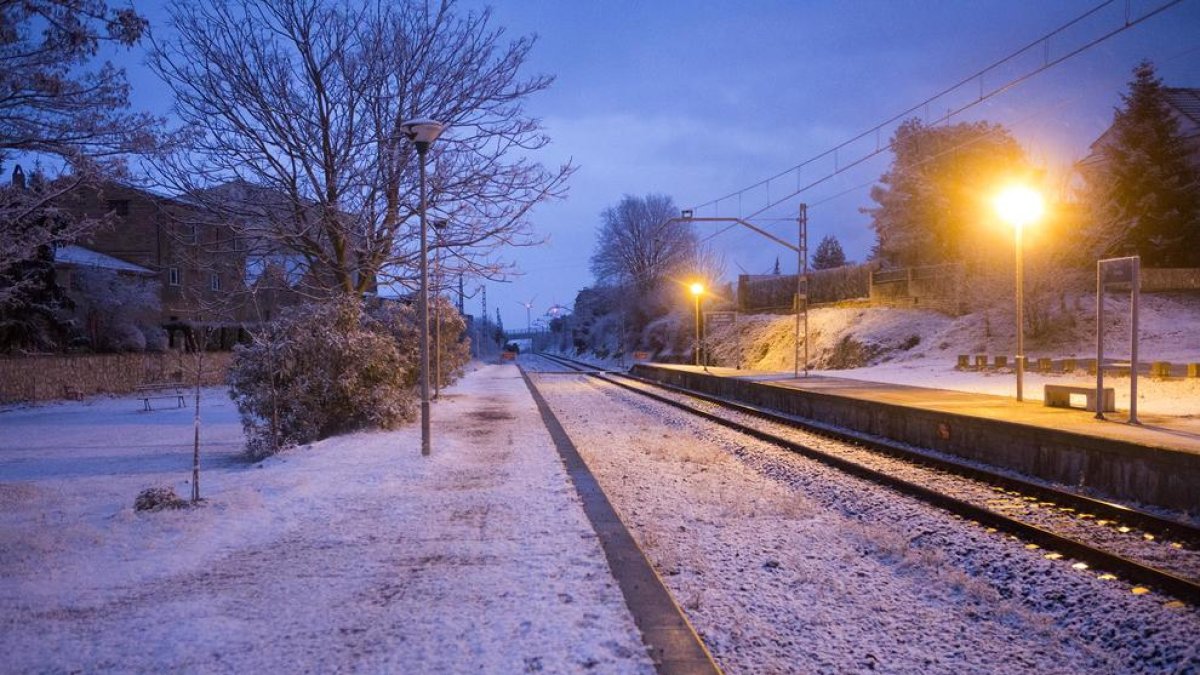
(423,132)
(1020,206)
(697,289)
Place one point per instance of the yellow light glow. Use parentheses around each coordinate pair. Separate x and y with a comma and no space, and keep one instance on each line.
(697,288)
(1019,205)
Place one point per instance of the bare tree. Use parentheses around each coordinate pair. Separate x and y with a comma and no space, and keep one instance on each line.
(52,108)
(293,112)
(638,245)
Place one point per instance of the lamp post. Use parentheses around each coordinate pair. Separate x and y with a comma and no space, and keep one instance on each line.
(1020,206)
(438,226)
(801,249)
(697,290)
(423,132)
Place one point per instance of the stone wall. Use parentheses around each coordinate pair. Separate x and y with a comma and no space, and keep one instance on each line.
(937,287)
(45,378)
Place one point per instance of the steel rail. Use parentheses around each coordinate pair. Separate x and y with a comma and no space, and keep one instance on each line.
(1132,570)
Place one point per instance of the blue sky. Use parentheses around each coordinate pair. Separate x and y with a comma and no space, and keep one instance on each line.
(699,99)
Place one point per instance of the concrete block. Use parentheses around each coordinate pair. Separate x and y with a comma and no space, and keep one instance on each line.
(1044,365)
(1068,365)
(1160,369)
(964,362)
(981,361)
(1001,362)
(1066,396)
(1193,370)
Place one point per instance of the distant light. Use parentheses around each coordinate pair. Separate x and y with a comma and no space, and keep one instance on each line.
(697,288)
(1019,205)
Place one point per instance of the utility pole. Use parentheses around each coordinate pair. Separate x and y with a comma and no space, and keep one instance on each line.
(802,285)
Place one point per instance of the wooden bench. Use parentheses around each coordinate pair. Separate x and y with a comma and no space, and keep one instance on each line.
(1067,396)
(161,391)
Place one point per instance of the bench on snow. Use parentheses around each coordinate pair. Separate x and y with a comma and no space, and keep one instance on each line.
(1067,396)
(168,391)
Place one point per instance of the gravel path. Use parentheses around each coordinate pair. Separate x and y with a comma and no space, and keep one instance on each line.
(786,566)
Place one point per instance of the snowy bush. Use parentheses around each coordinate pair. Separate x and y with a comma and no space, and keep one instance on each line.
(157,499)
(400,320)
(116,310)
(319,370)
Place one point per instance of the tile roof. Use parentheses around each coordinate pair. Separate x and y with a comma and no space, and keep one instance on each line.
(1186,101)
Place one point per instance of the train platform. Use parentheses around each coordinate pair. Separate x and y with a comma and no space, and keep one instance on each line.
(1156,462)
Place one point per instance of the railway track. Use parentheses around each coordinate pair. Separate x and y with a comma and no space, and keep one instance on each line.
(1109,538)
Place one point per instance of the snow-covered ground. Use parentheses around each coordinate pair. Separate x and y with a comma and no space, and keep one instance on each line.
(354,553)
(784,565)
(920,348)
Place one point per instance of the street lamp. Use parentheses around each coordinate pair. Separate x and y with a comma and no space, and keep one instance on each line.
(438,226)
(697,290)
(423,132)
(1019,206)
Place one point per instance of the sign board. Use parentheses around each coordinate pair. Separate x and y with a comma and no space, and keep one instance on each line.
(720,319)
(1117,270)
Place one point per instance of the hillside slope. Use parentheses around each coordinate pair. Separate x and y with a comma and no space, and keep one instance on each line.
(920,347)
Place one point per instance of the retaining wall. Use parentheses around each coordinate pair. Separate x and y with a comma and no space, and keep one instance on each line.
(1118,469)
(43,378)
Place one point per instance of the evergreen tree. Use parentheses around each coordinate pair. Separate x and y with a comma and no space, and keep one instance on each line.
(1143,194)
(931,199)
(829,254)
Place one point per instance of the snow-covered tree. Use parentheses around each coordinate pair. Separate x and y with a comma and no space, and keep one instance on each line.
(294,108)
(320,369)
(829,254)
(53,107)
(119,313)
(934,200)
(1143,195)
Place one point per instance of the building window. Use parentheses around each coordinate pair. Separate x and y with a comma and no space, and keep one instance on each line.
(173,276)
(214,281)
(119,206)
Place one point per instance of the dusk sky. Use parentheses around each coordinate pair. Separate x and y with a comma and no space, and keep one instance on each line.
(698,100)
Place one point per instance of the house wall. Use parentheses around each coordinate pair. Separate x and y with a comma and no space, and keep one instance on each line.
(159,234)
(47,378)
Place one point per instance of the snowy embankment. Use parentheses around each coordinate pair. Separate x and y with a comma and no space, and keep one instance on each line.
(354,553)
(785,565)
(920,348)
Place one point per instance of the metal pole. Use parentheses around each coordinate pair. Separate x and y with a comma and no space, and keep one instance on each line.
(422,148)
(697,349)
(1099,340)
(799,268)
(1136,287)
(1020,316)
(437,312)
(804,256)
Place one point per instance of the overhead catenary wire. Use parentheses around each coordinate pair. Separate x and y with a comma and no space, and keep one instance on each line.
(841,166)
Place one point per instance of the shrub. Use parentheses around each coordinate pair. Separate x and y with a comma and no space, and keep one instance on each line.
(320,369)
(157,499)
(399,320)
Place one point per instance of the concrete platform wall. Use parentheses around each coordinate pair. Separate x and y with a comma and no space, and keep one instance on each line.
(1117,469)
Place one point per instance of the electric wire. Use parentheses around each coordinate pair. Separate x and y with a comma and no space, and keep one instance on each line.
(982,97)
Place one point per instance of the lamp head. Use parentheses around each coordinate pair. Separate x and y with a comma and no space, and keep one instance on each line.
(1019,205)
(697,288)
(422,131)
